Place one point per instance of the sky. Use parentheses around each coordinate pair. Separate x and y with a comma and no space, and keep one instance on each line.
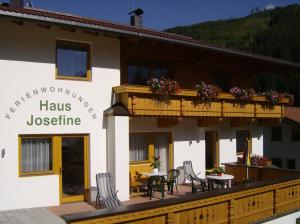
(160,14)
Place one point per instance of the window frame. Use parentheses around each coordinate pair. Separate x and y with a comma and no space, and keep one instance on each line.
(75,44)
(38,173)
(287,163)
(293,135)
(151,66)
(279,159)
(276,140)
(150,143)
(151,148)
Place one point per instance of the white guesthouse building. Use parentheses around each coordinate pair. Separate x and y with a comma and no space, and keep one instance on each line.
(62,122)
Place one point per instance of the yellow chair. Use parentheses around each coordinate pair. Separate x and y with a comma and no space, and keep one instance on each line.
(134,185)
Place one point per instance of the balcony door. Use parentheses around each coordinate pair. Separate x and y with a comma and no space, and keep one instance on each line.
(211,149)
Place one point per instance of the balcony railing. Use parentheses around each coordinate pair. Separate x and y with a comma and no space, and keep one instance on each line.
(140,101)
(241,204)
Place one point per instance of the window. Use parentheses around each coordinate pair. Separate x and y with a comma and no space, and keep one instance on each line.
(277,162)
(144,146)
(276,134)
(36,155)
(161,72)
(243,141)
(291,164)
(223,81)
(138,75)
(138,147)
(73,60)
(295,134)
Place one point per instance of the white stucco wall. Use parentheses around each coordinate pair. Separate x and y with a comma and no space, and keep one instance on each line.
(27,62)
(285,149)
(118,153)
(189,140)
(287,219)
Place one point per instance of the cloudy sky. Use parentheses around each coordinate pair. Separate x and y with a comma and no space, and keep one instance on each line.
(161,14)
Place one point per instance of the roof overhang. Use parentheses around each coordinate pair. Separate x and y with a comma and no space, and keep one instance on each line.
(140,33)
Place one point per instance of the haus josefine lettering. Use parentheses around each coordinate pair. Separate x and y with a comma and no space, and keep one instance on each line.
(51,90)
(59,120)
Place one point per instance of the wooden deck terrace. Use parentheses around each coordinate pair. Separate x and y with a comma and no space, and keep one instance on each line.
(243,203)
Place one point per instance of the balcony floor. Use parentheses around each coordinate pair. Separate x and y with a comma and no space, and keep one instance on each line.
(78,207)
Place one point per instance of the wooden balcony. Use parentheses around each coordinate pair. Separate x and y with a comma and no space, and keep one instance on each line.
(140,101)
(245,203)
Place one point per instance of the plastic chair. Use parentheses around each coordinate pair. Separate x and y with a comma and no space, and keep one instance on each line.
(156,183)
(172,176)
(192,177)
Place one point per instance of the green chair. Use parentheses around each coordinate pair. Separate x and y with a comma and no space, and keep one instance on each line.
(172,179)
(156,183)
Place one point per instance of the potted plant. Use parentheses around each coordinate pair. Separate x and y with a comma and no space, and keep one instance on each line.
(164,88)
(155,164)
(207,93)
(273,97)
(218,171)
(242,94)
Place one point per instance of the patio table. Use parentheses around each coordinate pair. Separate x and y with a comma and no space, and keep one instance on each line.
(160,173)
(225,178)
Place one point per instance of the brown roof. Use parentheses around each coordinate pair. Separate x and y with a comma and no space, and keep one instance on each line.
(293,113)
(39,15)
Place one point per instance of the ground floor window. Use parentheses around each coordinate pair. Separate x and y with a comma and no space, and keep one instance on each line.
(144,146)
(277,162)
(291,164)
(138,147)
(36,155)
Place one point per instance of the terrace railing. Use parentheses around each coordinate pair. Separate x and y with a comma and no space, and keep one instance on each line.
(241,204)
(140,101)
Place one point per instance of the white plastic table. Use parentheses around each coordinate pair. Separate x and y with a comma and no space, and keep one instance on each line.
(225,178)
(160,173)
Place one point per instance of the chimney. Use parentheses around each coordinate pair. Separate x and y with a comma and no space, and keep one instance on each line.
(136,19)
(19,4)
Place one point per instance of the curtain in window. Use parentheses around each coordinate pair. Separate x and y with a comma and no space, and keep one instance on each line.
(138,148)
(72,62)
(161,145)
(36,154)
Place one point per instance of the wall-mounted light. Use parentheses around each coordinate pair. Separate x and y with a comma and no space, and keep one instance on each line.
(2,153)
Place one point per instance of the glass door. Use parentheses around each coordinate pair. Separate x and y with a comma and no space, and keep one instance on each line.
(73,168)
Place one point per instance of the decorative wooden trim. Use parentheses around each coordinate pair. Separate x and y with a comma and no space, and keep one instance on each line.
(243,205)
(208,122)
(163,122)
(140,101)
(242,122)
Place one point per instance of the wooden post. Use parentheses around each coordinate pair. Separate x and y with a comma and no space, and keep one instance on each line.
(171,218)
(275,201)
(231,208)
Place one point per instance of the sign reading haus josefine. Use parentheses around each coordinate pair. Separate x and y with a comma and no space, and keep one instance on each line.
(46,105)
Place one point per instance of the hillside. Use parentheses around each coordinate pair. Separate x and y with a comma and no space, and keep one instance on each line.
(273,33)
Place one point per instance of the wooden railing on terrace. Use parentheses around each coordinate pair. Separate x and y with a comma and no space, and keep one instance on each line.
(256,173)
(242,204)
(139,100)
